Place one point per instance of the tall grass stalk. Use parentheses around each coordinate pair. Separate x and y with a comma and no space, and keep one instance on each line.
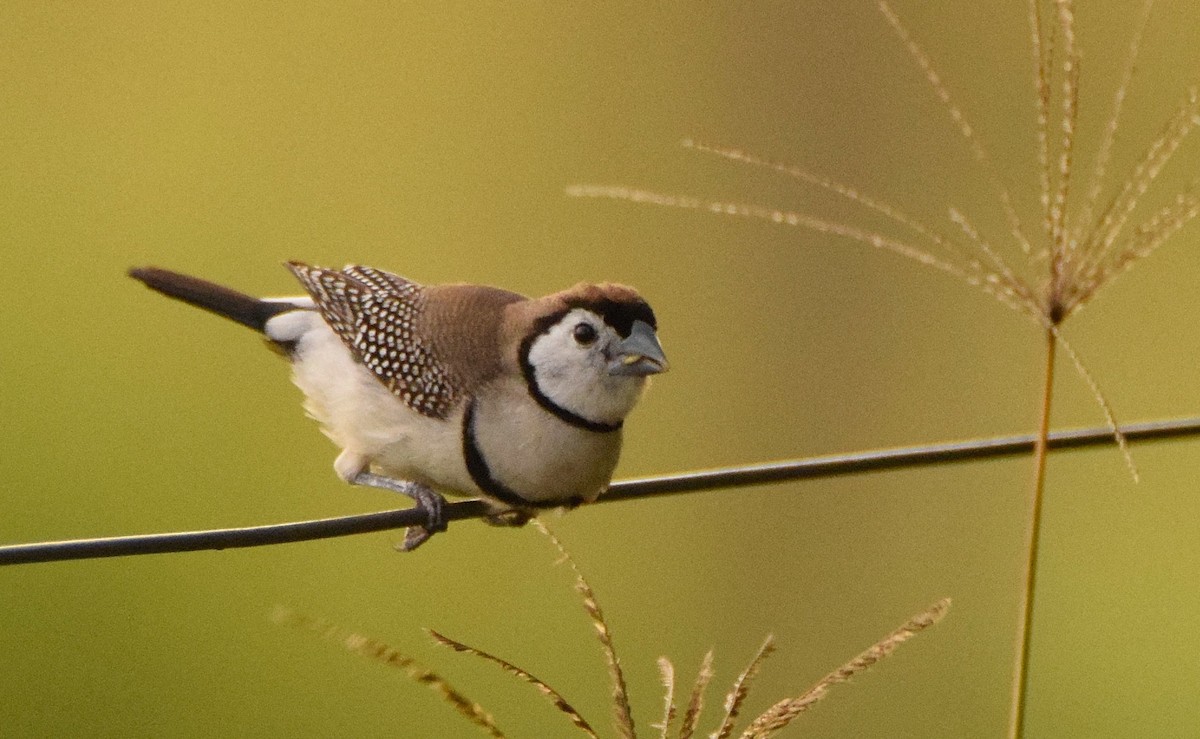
(1020,680)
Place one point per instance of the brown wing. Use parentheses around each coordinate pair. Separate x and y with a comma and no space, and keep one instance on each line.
(381,317)
(463,323)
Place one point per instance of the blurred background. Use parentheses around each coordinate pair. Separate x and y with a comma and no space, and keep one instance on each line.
(436,140)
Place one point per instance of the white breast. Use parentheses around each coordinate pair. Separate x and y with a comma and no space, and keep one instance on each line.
(537,455)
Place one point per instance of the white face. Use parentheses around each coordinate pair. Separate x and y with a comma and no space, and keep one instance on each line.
(571,368)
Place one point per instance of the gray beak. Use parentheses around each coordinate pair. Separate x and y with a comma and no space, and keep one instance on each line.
(639,354)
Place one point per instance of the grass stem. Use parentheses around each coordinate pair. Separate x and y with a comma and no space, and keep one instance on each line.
(1025,625)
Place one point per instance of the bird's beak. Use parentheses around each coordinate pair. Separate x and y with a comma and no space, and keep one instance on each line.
(639,354)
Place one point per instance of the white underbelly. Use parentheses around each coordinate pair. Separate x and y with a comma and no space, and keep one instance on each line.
(366,419)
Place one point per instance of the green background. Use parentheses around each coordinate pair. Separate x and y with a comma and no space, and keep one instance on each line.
(436,140)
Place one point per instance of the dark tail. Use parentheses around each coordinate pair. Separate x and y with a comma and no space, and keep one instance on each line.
(245,309)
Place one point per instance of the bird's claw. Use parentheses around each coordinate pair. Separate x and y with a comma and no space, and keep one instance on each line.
(431,502)
(514,517)
(414,536)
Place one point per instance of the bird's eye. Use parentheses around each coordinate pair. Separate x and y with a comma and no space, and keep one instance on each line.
(584,333)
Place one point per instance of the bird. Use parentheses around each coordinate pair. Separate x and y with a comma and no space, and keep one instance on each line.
(459,389)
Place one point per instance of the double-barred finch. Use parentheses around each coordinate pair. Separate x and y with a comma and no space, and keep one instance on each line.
(464,389)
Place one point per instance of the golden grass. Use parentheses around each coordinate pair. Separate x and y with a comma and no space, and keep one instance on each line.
(782,713)
(622,715)
(666,671)
(704,676)
(379,652)
(741,688)
(555,697)
(774,719)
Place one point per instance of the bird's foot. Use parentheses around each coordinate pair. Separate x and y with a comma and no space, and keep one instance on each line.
(426,499)
(514,517)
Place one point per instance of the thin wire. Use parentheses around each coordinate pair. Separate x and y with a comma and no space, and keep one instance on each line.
(828,466)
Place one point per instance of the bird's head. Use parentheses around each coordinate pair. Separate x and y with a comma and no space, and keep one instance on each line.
(587,352)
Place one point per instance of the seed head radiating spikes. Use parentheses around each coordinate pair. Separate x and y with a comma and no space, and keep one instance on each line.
(1082,247)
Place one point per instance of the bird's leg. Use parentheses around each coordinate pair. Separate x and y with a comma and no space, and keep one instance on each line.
(426,499)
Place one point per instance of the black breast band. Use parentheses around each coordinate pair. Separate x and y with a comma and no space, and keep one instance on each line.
(477,466)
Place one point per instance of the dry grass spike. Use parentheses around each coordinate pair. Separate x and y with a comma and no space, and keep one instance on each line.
(782,713)
(380,652)
(666,671)
(695,705)
(555,697)
(741,688)
(622,714)
(775,718)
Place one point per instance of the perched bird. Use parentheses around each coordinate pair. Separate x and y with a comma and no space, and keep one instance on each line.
(465,389)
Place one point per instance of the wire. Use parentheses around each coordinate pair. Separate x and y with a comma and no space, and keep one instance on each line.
(683,482)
